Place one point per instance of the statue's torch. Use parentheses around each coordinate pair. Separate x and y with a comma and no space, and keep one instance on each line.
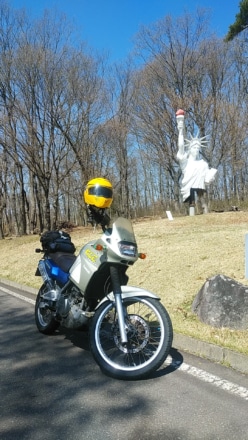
(180,118)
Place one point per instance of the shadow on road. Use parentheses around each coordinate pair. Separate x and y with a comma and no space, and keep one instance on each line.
(79,338)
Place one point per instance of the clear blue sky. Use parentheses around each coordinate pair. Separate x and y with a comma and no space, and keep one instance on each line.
(110,25)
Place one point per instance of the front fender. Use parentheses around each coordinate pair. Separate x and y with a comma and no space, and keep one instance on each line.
(127,292)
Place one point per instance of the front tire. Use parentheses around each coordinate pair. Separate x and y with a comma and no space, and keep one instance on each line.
(44,317)
(149,331)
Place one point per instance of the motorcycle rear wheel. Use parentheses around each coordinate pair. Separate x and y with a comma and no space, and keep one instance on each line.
(44,318)
(149,335)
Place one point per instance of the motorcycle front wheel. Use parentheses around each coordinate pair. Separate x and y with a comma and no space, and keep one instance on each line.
(44,317)
(149,333)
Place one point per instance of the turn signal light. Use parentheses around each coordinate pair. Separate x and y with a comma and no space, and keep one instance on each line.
(142,256)
(98,247)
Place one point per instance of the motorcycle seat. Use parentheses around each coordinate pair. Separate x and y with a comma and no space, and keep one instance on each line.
(63,259)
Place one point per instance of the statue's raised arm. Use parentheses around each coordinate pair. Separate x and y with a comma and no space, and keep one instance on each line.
(180,125)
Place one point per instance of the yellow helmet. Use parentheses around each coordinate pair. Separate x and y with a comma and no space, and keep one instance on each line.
(99,193)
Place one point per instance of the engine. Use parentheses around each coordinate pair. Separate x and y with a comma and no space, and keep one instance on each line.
(70,307)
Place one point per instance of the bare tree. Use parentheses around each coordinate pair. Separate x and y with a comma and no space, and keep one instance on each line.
(39,85)
(82,111)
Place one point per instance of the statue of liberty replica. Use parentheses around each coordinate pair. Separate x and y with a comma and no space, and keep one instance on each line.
(197,174)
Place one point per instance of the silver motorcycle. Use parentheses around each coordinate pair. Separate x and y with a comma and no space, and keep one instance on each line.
(130,331)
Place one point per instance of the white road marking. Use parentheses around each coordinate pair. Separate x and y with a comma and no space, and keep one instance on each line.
(211,378)
(17,295)
(203,375)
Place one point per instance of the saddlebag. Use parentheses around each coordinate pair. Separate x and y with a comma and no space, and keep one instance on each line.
(57,241)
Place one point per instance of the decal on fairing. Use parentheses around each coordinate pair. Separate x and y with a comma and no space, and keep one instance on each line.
(90,255)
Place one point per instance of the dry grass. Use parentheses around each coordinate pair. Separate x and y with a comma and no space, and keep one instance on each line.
(181,255)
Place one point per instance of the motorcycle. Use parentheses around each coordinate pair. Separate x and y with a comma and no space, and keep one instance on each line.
(130,331)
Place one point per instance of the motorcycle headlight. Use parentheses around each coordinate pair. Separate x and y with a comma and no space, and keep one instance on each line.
(127,249)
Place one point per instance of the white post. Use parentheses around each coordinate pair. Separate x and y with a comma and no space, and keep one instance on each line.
(192,210)
(169,215)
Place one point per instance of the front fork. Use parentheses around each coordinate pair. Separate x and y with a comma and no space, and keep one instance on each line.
(114,274)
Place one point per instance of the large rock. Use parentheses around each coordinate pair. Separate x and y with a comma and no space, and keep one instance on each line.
(222,302)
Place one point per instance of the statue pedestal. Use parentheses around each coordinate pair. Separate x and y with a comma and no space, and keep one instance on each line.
(191,210)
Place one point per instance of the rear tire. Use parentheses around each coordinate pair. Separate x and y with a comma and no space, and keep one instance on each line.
(44,317)
(149,334)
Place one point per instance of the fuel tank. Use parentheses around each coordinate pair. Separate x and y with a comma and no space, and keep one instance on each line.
(87,262)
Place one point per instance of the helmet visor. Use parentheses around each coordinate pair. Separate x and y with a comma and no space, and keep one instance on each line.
(101,191)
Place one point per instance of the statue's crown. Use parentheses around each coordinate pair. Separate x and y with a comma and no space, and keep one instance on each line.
(200,141)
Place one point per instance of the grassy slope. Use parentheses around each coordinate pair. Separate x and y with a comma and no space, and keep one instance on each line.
(181,255)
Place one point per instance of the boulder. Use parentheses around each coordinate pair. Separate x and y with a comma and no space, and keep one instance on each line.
(222,302)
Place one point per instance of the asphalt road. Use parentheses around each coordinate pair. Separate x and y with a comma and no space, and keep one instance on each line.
(52,389)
